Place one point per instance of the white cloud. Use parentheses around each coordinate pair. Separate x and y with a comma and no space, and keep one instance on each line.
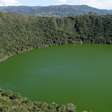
(69,2)
(106,4)
(98,3)
(62,1)
(103,4)
(9,3)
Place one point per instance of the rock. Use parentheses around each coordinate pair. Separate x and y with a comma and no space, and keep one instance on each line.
(71,107)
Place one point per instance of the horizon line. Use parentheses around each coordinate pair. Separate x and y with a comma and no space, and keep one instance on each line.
(53,5)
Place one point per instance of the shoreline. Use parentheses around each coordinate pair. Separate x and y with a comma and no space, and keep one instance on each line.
(4,58)
(11,101)
(49,46)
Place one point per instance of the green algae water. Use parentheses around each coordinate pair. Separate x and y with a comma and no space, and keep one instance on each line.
(78,74)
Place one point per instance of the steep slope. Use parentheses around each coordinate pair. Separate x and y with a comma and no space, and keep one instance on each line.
(19,33)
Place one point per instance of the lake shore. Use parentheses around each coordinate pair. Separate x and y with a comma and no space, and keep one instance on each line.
(48,46)
(4,58)
(10,101)
(30,32)
(37,73)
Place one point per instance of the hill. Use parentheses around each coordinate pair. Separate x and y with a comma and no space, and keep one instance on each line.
(58,10)
(19,33)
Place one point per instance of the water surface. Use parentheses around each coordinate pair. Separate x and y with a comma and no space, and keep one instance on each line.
(78,74)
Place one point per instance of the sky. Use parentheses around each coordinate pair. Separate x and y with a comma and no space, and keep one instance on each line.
(101,4)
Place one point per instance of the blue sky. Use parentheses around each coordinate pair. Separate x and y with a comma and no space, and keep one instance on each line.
(102,4)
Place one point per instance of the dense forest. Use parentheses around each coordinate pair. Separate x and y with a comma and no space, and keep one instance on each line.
(13,102)
(19,33)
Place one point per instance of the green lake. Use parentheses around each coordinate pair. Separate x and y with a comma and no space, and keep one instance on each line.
(79,74)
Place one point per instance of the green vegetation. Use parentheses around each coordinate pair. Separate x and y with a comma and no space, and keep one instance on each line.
(11,102)
(19,33)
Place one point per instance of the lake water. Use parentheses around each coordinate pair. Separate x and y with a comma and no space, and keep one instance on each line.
(78,74)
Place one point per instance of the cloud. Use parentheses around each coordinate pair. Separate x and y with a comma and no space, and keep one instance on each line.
(98,3)
(9,3)
(102,4)
(62,1)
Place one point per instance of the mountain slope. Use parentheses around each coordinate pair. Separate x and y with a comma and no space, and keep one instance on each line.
(20,33)
(58,10)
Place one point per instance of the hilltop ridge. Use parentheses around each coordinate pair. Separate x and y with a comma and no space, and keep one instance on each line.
(55,10)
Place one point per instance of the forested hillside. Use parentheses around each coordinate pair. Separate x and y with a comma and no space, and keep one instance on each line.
(20,33)
(56,10)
